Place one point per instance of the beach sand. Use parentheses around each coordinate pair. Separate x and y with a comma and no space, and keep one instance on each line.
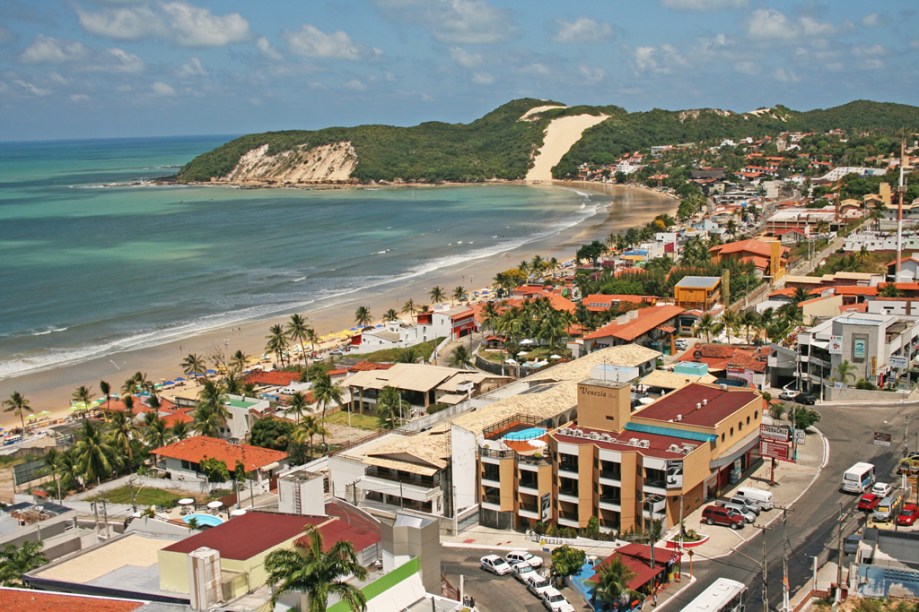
(52,390)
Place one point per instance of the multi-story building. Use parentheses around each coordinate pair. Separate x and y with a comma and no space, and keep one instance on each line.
(767,256)
(697,292)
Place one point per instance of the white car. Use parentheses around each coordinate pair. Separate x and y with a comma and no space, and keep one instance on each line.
(881,489)
(495,565)
(529,558)
(536,584)
(522,570)
(554,601)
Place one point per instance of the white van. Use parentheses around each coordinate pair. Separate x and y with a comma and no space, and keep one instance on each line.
(764,499)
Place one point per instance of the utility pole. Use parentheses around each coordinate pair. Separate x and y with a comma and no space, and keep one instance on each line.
(765,563)
(842,519)
(786,595)
(681,534)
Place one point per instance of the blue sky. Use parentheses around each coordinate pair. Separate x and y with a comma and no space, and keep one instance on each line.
(107,68)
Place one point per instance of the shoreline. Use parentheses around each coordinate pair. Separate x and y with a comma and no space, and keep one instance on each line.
(51,389)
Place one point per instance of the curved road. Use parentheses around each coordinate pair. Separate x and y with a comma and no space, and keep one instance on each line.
(812,521)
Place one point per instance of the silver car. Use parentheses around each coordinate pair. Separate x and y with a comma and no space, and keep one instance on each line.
(741,510)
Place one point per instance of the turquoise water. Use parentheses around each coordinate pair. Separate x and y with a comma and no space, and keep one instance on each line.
(204,520)
(525,434)
(95,260)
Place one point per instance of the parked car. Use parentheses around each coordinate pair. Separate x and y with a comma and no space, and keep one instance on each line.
(536,584)
(881,489)
(908,515)
(909,464)
(522,570)
(682,345)
(788,395)
(742,510)
(518,556)
(807,400)
(746,502)
(554,601)
(495,565)
(850,545)
(868,502)
(719,515)
(764,499)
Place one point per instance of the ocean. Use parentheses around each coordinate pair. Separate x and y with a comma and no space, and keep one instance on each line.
(97,260)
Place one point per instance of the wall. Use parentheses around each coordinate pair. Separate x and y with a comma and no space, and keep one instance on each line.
(173,568)
(344,471)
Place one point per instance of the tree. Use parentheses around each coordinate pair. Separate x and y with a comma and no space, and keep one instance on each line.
(269,432)
(591,251)
(296,331)
(459,293)
(14,562)
(106,390)
(845,371)
(179,430)
(277,343)
(460,357)
(437,294)
(567,561)
(708,325)
(93,454)
(362,316)
(211,412)
(390,316)
(316,574)
(214,469)
(237,364)
(804,417)
(193,365)
(326,392)
(307,429)
(298,405)
(409,308)
(52,460)
(83,395)
(389,407)
(121,434)
(18,405)
(156,432)
(614,582)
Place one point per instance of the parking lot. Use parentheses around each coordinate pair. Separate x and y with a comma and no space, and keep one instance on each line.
(494,592)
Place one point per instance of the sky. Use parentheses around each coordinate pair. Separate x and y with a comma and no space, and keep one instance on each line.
(120,68)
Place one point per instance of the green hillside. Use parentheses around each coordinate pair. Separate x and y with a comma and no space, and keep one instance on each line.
(499,146)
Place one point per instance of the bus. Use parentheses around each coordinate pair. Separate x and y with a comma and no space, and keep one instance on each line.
(722,595)
(858,478)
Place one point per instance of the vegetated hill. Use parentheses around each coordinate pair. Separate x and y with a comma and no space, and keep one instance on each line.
(501,146)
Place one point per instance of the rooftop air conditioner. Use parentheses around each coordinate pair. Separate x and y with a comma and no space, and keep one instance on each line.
(698,406)
(705,402)
(645,443)
(673,448)
(679,417)
(688,448)
(594,435)
(606,438)
(633,441)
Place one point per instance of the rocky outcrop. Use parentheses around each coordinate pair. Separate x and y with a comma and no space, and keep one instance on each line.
(329,163)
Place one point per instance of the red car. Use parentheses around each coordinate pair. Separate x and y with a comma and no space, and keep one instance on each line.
(719,515)
(908,515)
(869,502)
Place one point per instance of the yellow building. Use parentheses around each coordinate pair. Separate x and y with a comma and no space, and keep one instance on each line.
(697,292)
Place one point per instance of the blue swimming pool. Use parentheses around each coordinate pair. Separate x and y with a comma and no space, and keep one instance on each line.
(204,520)
(525,434)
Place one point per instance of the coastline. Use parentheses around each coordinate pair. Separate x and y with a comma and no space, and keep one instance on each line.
(52,389)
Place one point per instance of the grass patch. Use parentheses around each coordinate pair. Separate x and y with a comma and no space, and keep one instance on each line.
(874,262)
(146,497)
(360,421)
(397,355)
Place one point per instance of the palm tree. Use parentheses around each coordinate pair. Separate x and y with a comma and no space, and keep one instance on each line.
(83,395)
(308,428)
(106,390)
(296,331)
(14,562)
(460,358)
(238,363)
(18,405)
(458,294)
(326,392)
(316,574)
(156,433)
(732,322)
(277,343)
(52,460)
(410,309)
(845,371)
(750,318)
(437,294)
(708,325)
(614,582)
(121,433)
(391,315)
(93,454)
(389,407)
(179,430)
(211,412)
(490,314)
(193,365)
(362,316)
(298,405)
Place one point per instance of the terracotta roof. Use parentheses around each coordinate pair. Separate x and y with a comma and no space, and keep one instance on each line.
(644,321)
(599,302)
(276,378)
(27,599)
(178,417)
(759,262)
(751,245)
(863,307)
(723,356)
(719,404)
(367,366)
(637,557)
(197,448)
(855,290)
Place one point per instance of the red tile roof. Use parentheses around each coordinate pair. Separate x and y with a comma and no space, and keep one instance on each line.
(863,307)
(599,302)
(196,449)
(367,366)
(276,378)
(26,599)
(723,356)
(659,444)
(644,321)
(637,557)
(721,403)
(855,290)
(751,245)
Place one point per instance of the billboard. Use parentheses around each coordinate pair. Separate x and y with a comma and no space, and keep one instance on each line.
(779,433)
(835,346)
(774,449)
(545,507)
(674,473)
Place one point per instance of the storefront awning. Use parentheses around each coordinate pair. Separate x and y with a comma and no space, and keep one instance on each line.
(736,451)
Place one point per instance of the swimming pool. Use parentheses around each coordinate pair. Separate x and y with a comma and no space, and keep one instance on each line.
(525,434)
(204,520)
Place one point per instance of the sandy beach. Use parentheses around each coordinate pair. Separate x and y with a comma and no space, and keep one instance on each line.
(51,390)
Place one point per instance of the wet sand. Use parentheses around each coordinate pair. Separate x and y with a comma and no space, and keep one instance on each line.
(52,390)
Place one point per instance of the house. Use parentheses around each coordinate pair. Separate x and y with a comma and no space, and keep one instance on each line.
(653,327)
(697,292)
(600,302)
(767,257)
(745,364)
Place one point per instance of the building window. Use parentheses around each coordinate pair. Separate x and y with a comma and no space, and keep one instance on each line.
(569,463)
(732,432)
(756,414)
(739,426)
(567,486)
(748,419)
(529,480)
(611,470)
(490,471)
(722,437)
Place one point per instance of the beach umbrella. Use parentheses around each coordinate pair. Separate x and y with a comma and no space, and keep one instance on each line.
(555,356)
(522,354)
(211,372)
(180,379)
(510,361)
(527,342)
(44,413)
(169,383)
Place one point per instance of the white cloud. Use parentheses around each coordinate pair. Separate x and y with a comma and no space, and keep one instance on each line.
(661,60)
(31,88)
(813,28)
(591,74)
(124,23)
(48,50)
(454,21)
(482,78)
(310,42)
(79,98)
(355,85)
(537,69)
(867,51)
(465,58)
(59,79)
(871,20)
(163,89)
(267,50)
(780,74)
(746,67)
(191,68)
(770,24)
(703,5)
(582,30)
(198,27)
(119,60)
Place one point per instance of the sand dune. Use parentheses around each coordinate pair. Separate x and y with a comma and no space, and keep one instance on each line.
(561,135)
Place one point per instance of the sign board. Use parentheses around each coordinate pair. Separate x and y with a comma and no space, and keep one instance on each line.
(27,472)
(800,436)
(835,346)
(780,433)
(881,438)
(776,450)
(897,361)
(859,348)
(545,507)
(674,473)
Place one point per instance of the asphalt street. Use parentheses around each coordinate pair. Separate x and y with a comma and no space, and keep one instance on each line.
(491,592)
(812,522)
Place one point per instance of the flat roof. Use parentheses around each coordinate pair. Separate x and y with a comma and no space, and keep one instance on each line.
(658,445)
(699,282)
(719,402)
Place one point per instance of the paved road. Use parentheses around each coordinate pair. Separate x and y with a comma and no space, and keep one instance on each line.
(812,522)
(492,592)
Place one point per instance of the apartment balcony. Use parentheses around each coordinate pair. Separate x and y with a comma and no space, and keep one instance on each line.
(609,502)
(569,520)
(568,495)
(530,514)
(488,482)
(611,479)
(531,462)
(568,471)
(534,490)
(495,456)
(404,490)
